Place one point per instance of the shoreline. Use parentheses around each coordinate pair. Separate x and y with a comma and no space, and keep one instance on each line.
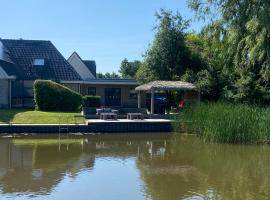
(119,126)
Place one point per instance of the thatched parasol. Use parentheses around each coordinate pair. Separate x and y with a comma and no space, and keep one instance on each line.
(166,85)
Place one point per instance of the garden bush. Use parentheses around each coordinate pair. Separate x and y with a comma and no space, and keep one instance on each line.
(51,96)
(92,101)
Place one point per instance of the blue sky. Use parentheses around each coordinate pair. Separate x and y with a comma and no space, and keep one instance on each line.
(103,30)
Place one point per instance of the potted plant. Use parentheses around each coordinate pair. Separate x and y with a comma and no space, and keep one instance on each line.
(90,104)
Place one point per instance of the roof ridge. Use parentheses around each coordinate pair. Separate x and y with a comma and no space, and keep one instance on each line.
(74,52)
(26,40)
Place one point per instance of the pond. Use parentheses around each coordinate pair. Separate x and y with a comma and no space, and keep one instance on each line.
(134,167)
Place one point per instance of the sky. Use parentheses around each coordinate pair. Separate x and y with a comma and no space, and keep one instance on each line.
(106,31)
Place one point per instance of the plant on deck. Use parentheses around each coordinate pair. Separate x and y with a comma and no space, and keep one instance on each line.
(92,101)
(229,123)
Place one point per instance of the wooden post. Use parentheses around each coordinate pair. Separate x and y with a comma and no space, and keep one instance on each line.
(152,102)
(10,95)
(139,99)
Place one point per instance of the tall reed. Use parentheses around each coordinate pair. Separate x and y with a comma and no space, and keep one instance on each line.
(228,123)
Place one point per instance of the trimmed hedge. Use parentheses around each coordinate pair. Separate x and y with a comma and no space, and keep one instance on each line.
(92,101)
(51,96)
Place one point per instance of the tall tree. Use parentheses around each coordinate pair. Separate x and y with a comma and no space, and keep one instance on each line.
(244,28)
(129,69)
(167,57)
(205,52)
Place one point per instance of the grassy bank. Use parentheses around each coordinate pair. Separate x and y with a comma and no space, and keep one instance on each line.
(22,116)
(229,123)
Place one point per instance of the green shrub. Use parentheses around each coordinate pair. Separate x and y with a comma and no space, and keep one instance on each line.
(228,123)
(92,101)
(51,96)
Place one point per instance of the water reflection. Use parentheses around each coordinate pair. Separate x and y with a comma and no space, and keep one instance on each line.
(152,166)
(36,168)
(192,169)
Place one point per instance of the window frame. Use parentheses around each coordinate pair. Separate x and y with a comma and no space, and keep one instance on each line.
(133,95)
(39,62)
(94,89)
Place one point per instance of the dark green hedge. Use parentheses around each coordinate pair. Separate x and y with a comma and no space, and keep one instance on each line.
(92,101)
(51,96)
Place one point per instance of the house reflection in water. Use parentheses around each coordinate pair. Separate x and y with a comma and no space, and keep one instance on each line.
(35,166)
(38,168)
(156,167)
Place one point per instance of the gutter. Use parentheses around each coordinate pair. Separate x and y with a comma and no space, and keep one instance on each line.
(107,82)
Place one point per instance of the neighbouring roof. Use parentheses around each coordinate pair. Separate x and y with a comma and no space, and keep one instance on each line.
(10,68)
(4,53)
(4,75)
(85,68)
(166,85)
(22,54)
(91,65)
(104,81)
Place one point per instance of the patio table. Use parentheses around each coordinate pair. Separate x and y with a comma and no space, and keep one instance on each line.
(105,116)
(131,116)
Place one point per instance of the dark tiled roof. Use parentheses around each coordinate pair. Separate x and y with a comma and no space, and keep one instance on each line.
(11,69)
(91,65)
(23,53)
(4,53)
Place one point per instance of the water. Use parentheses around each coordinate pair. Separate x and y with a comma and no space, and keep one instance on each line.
(152,167)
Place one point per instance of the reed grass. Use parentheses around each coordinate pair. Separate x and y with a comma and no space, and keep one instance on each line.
(228,123)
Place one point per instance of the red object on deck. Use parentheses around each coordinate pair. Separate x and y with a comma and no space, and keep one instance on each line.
(181,104)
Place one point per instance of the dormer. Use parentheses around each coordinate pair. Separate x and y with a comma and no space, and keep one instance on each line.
(39,62)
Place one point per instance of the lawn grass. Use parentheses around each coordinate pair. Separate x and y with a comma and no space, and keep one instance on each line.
(229,123)
(24,116)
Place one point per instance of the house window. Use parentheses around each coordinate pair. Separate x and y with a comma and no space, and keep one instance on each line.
(39,62)
(91,91)
(132,93)
(22,93)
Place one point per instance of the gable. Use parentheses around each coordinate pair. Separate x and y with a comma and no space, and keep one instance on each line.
(78,64)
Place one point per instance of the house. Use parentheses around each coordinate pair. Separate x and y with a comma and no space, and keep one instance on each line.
(113,92)
(24,61)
